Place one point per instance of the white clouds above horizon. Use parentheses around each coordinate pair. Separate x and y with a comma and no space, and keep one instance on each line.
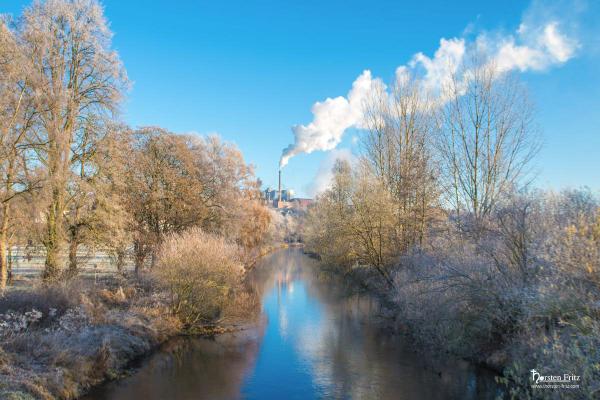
(324,175)
(545,38)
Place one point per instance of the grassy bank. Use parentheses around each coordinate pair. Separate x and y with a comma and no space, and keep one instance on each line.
(516,289)
(517,292)
(58,340)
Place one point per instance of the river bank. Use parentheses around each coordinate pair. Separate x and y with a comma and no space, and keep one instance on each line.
(365,280)
(506,358)
(60,340)
(317,338)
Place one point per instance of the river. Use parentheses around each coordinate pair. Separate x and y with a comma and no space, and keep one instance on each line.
(316,340)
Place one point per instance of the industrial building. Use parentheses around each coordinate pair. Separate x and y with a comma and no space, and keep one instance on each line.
(284,198)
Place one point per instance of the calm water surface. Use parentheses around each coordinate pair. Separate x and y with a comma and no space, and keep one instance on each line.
(316,341)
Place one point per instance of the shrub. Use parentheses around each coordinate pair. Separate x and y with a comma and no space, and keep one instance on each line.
(520,291)
(40,307)
(202,272)
(573,349)
(453,298)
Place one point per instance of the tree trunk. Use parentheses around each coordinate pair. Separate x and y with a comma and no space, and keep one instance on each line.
(153,259)
(120,260)
(73,245)
(140,256)
(52,241)
(4,226)
(10,264)
(4,246)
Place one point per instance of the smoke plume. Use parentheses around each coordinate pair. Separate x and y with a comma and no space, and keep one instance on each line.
(543,40)
(331,118)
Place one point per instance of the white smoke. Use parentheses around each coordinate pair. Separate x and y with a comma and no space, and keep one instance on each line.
(542,41)
(331,118)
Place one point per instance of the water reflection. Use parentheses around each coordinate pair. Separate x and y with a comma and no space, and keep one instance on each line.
(318,341)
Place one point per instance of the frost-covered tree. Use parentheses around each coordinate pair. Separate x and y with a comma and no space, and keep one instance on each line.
(77,76)
(17,117)
(487,138)
(95,214)
(354,221)
(176,182)
(397,149)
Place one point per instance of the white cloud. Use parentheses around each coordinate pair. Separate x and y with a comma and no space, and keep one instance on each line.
(561,47)
(324,175)
(543,40)
(438,70)
(531,49)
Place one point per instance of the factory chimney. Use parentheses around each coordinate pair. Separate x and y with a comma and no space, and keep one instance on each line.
(279,190)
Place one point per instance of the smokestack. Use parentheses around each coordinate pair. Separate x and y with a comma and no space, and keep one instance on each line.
(279,191)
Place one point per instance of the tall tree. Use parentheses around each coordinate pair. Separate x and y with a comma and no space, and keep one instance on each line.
(353,221)
(16,119)
(487,138)
(76,77)
(95,215)
(397,149)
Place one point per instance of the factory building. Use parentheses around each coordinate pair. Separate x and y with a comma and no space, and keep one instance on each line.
(272,195)
(283,198)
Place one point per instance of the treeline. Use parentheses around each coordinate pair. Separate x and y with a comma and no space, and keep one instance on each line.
(439,205)
(72,177)
(423,160)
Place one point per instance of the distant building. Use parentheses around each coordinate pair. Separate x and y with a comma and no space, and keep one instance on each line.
(301,203)
(270,195)
(283,199)
(286,194)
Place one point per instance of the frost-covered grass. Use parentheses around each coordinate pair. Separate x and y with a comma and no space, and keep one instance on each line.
(517,290)
(58,341)
(521,292)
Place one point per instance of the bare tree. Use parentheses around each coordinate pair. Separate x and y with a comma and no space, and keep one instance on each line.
(16,119)
(397,148)
(373,223)
(487,138)
(354,222)
(76,76)
(95,215)
(328,221)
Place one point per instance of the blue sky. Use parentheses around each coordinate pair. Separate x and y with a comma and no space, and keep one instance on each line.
(250,70)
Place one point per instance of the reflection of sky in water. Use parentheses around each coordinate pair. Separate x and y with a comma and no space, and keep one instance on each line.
(319,342)
(291,314)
